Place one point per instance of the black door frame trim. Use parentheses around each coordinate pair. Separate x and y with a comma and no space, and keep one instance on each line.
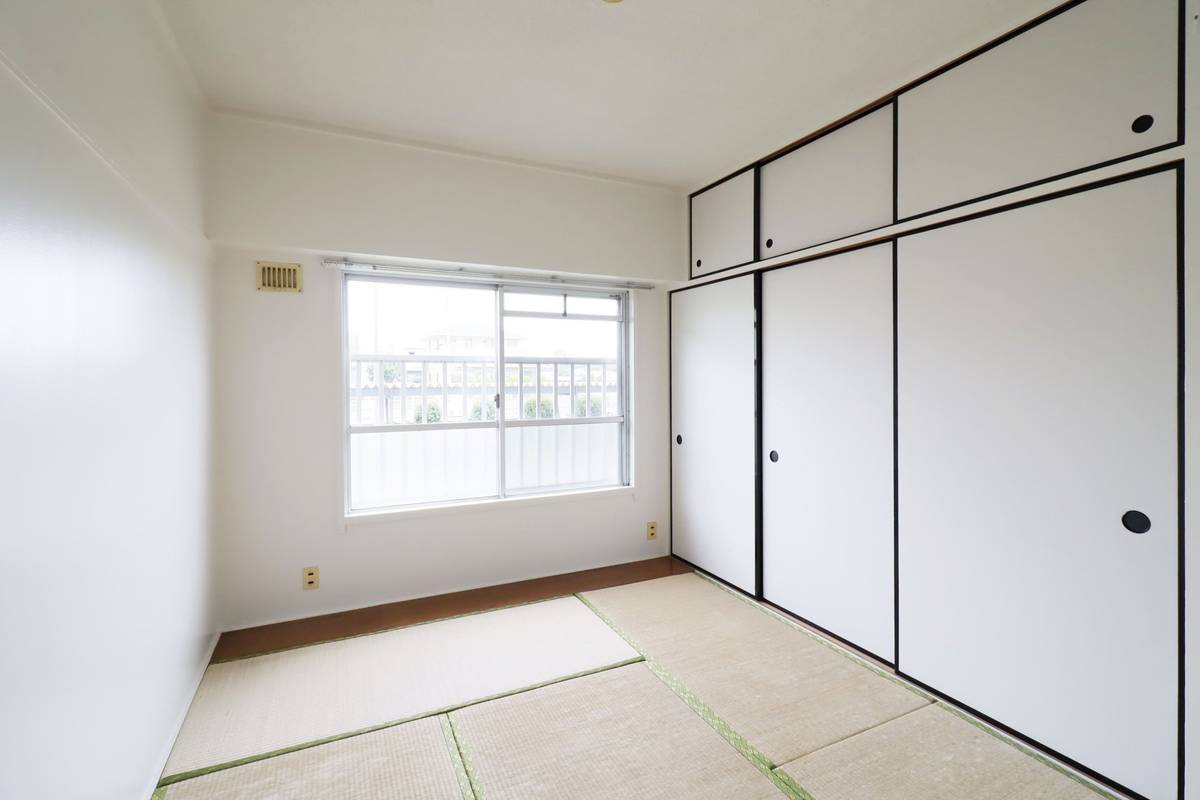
(1181,311)
(896,452)
(893,97)
(758,439)
(1176,166)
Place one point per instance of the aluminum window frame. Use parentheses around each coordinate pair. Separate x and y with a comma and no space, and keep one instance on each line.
(501,423)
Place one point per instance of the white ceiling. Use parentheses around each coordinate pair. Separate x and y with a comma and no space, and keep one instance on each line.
(674,92)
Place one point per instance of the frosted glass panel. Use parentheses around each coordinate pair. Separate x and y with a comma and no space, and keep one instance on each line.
(391,469)
(556,457)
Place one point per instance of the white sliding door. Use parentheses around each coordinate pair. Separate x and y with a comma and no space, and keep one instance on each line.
(834,186)
(1096,82)
(712,435)
(1037,381)
(828,520)
(722,225)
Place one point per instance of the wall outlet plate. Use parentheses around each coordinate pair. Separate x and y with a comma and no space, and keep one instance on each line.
(312,578)
(651,531)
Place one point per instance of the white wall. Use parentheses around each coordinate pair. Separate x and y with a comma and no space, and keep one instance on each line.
(291,193)
(104,432)
(279,470)
(275,184)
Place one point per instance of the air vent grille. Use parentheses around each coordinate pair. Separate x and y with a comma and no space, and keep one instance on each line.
(277,276)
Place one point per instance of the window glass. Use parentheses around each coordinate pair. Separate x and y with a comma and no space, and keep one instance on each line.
(428,466)
(430,405)
(545,303)
(539,458)
(596,306)
(538,337)
(395,318)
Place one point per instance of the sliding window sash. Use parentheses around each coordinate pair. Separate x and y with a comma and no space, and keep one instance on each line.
(500,423)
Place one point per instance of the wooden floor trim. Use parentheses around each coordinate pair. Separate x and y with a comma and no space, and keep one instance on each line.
(297,633)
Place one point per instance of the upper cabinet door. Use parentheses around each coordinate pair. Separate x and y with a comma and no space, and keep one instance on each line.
(1095,83)
(723,225)
(834,186)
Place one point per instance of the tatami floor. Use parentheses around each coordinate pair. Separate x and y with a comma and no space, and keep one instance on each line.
(674,687)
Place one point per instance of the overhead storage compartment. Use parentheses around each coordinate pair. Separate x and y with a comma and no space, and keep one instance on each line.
(1095,83)
(834,186)
(722,225)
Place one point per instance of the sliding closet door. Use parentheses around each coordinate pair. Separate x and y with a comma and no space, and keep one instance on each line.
(1038,453)
(828,521)
(712,428)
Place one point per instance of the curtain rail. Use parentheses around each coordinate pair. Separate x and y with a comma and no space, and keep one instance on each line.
(477,276)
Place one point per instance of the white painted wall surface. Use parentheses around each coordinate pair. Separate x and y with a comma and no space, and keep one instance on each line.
(104,432)
(282,191)
(273,184)
(278,484)
(114,70)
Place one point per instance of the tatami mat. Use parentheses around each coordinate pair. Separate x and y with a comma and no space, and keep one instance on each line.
(932,754)
(786,693)
(259,705)
(614,735)
(413,761)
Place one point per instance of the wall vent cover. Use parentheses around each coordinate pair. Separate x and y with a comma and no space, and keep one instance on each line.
(277,276)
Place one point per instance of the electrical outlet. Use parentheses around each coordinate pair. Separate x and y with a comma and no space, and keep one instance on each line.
(312,577)
(651,530)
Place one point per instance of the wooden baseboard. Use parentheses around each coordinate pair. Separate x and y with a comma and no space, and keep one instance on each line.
(295,633)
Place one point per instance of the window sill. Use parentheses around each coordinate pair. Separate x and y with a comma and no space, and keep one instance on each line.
(368,518)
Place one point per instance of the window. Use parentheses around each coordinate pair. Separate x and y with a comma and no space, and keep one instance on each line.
(462,391)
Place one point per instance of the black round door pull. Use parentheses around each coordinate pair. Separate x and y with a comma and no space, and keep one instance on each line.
(770,242)
(1135,521)
(1142,123)
(774,456)
(678,439)
(697,262)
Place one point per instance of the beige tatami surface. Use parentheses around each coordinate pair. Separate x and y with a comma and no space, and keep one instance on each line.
(266,703)
(611,736)
(932,754)
(784,691)
(413,761)
(723,699)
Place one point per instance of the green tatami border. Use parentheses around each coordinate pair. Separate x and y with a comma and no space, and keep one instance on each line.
(816,637)
(763,764)
(196,773)
(464,774)
(468,765)
(1020,747)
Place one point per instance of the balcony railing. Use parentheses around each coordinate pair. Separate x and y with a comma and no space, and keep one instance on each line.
(414,392)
